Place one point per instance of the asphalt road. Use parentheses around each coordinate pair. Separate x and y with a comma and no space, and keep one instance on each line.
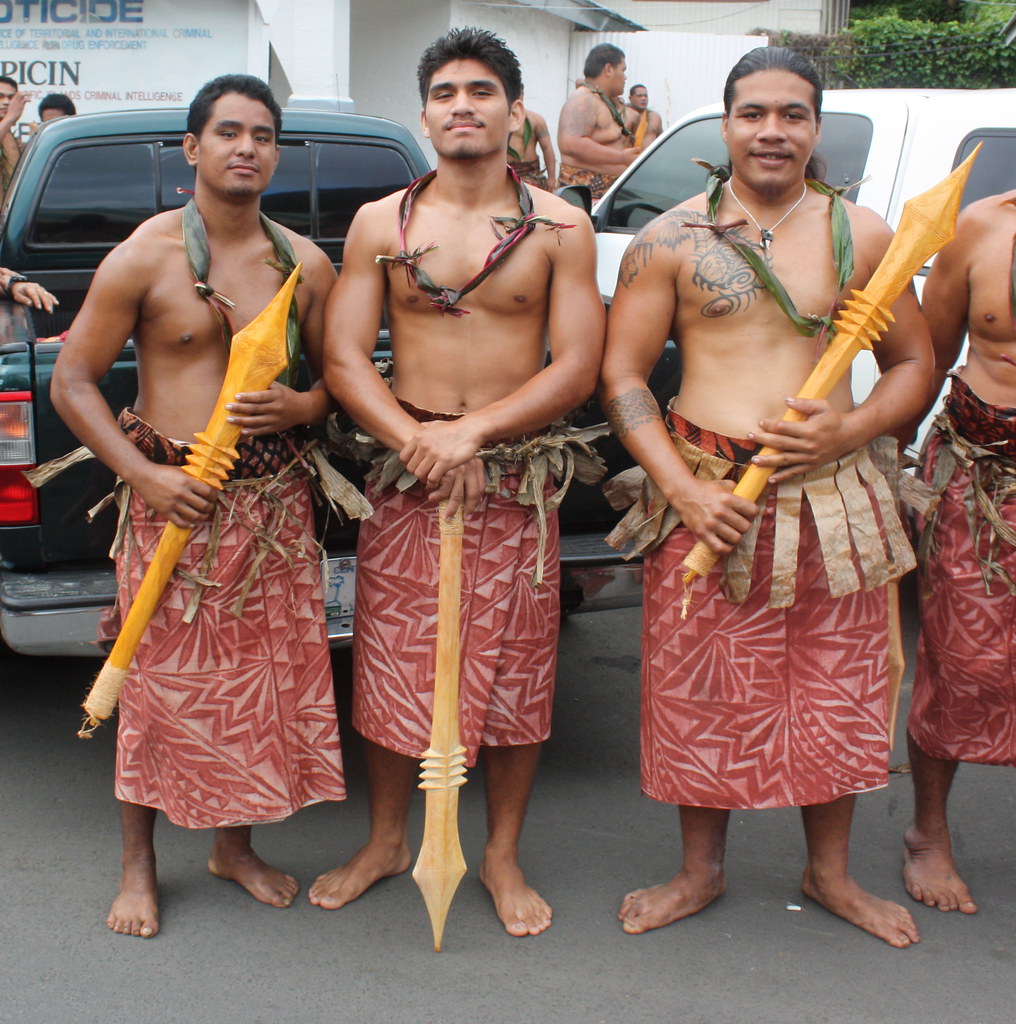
(223,958)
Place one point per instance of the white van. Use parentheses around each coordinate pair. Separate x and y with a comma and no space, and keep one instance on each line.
(902,141)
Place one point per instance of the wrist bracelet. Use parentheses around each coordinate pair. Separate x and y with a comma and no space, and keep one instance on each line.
(13,280)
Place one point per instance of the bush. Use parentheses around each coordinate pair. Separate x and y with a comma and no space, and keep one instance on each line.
(910,10)
(892,52)
(886,51)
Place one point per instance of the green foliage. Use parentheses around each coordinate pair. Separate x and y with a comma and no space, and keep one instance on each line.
(912,10)
(889,51)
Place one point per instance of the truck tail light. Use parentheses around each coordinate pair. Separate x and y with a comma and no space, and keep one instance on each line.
(19,504)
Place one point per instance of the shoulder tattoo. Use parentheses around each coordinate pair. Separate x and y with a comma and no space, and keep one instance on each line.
(718,269)
(668,231)
(632,409)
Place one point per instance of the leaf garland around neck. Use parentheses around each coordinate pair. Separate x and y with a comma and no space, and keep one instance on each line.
(195,241)
(843,248)
(616,114)
(527,137)
(509,231)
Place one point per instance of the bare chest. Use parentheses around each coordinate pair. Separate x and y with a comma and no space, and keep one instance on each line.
(717,282)
(175,317)
(461,258)
(991,314)
(518,144)
(606,130)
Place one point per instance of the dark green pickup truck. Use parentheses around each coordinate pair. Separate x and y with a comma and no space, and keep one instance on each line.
(83,184)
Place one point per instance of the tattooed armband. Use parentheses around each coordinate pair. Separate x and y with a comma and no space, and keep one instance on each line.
(631,410)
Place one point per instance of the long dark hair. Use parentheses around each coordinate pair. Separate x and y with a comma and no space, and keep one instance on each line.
(779,58)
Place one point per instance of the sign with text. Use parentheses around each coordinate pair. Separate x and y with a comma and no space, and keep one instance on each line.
(119,54)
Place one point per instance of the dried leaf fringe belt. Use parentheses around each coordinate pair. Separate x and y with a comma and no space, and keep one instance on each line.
(843,507)
(561,453)
(265,464)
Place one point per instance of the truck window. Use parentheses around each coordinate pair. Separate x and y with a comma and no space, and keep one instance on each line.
(348,175)
(993,169)
(174,173)
(96,195)
(287,200)
(667,176)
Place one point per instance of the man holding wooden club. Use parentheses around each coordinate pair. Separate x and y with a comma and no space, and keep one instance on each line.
(479,276)
(228,718)
(772,690)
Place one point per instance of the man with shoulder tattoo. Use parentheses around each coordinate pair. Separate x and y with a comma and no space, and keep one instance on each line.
(772,692)
(596,143)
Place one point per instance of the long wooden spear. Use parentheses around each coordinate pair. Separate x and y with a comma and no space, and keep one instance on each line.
(257,355)
(927,223)
(440,866)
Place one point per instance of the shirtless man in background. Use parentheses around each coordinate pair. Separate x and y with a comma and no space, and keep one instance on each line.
(645,124)
(593,139)
(776,694)
(964,702)
(532,135)
(470,368)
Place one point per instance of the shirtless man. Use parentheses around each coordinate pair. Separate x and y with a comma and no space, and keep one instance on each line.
(596,144)
(523,158)
(481,369)
(776,696)
(645,124)
(964,703)
(192,742)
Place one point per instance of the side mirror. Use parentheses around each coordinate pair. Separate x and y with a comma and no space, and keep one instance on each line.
(578,195)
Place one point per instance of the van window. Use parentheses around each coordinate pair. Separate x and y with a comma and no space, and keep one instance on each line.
(993,169)
(85,203)
(667,176)
(350,174)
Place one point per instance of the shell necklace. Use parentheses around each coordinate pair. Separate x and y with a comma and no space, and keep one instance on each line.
(765,234)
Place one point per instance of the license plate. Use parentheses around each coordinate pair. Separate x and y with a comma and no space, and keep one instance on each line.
(338,582)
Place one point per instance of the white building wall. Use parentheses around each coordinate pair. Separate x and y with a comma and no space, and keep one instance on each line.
(542,43)
(310,42)
(681,70)
(387,38)
(724,18)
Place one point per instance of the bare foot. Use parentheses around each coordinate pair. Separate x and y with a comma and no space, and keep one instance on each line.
(660,905)
(845,898)
(522,910)
(930,874)
(135,910)
(261,880)
(370,864)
